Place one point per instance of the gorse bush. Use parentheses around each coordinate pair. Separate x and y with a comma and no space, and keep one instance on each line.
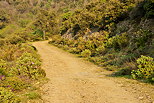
(145,69)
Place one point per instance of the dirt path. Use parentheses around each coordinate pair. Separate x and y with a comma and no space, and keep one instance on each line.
(73,80)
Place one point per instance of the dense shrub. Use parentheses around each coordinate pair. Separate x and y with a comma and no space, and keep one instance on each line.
(112,34)
(100,50)
(2,42)
(33,95)
(145,69)
(27,65)
(123,71)
(14,83)
(20,68)
(9,29)
(142,37)
(23,23)
(149,8)
(14,39)
(86,53)
(2,68)
(12,52)
(118,42)
(6,96)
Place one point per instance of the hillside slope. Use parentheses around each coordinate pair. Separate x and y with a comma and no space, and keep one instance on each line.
(116,35)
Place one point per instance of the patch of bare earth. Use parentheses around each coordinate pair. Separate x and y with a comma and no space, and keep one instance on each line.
(73,80)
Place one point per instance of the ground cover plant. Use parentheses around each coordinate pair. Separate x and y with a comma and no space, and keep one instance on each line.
(20,69)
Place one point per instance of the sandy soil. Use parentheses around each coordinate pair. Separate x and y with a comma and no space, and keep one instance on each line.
(74,80)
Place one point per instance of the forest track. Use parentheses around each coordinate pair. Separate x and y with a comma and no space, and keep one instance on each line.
(74,80)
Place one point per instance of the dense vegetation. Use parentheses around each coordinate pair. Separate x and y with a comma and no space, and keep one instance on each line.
(20,65)
(113,34)
(20,70)
(117,35)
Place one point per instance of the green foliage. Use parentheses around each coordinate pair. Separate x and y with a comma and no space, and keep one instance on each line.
(112,34)
(27,65)
(6,96)
(74,50)
(86,53)
(145,69)
(142,36)
(12,52)
(14,34)
(149,8)
(121,59)
(123,71)
(14,39)
(7,31)
(66,16)
(46,22)
(2,67)
(20,68)
(33,95)
(4,18)
(23,23)
(100,49)
(2,42)
(14,83)
(118,42)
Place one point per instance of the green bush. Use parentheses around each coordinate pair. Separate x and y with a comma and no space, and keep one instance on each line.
(33,95)
(142,37)
(12,52)
(65,16)
(86,53)
(123,71)
(6,96)
(100,50)
(7,30)
(118,42)
(2,67)
(30,66)
(20,68)
(14,39)
(14,83)
(149,8)
(145,69)
(74,50)
(23,22)
(2,42)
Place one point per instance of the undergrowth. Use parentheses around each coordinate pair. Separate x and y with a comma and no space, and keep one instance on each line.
(20,70)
